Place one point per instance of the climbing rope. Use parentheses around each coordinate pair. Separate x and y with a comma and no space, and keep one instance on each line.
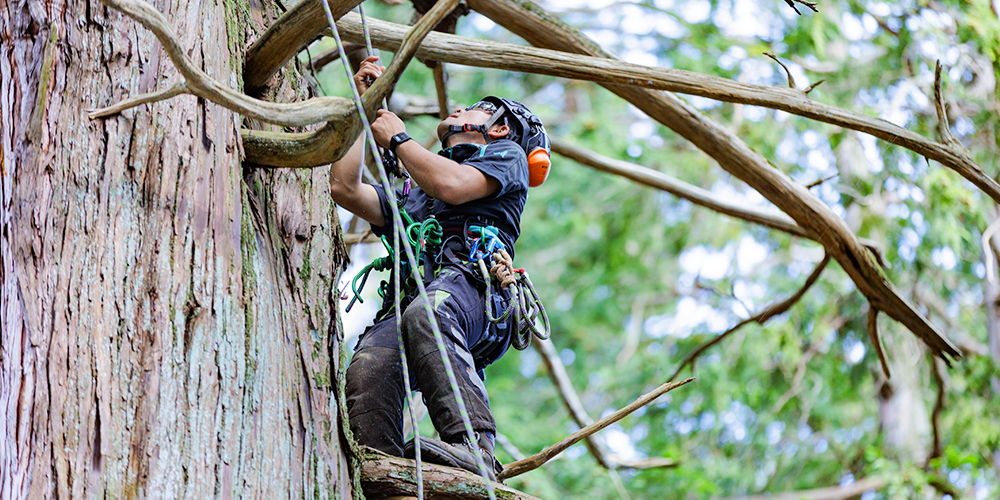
(400,237)
(524,302)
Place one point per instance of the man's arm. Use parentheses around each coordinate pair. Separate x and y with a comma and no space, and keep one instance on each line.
(441,178)
(349,192)
(346,187)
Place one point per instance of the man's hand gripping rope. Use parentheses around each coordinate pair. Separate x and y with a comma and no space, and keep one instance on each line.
(524,301)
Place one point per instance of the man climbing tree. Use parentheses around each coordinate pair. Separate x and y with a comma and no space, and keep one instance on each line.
(475,189)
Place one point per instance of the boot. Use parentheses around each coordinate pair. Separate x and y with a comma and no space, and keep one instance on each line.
(460,455)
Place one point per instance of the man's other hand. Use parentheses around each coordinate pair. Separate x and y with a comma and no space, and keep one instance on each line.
(367,74)
(385,126)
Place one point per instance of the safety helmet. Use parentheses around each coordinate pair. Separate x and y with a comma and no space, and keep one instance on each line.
(526,130)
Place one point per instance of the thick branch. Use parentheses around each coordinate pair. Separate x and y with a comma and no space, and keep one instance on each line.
(538,27)
(383,476)
(329,143)
(568,64)
(197,82)
(852,490)
(679,188)
(535,461)
(295,29)
(760,318)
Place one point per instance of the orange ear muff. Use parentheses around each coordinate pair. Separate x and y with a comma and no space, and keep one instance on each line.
(538,167)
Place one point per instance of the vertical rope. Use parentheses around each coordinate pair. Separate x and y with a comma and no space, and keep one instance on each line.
(400,230)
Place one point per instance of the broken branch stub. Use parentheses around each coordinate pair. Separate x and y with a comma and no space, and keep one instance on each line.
(540,28)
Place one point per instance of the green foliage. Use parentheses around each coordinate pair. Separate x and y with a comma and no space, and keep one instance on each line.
(798,402)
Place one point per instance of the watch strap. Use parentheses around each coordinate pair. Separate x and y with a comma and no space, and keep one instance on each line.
(397,140)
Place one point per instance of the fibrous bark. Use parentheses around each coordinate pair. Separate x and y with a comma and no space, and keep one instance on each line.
(167,329)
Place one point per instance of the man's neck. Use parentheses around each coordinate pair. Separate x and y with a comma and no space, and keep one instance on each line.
(464,138)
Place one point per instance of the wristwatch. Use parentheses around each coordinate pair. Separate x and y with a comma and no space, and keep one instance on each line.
(397,140)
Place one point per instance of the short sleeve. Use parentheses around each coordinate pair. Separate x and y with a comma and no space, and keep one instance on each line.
(504,161)
(383,200)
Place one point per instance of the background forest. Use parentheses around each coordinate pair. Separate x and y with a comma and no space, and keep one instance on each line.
(636,279)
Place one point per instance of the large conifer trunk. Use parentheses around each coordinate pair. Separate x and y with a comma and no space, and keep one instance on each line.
(168,326)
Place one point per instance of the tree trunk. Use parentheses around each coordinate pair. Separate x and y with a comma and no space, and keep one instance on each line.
(169,321)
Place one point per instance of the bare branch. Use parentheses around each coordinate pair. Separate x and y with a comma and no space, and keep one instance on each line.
(852,490)
(329,143)
(538,27)
(877,340)
(818,182)
(557,372)
(811,87)
(197,82)
(944,129)
(546,349)
(535,461)
(361,238)
(528,22)
(159,95)
(811,5)
(441,84)
(760,318)
(936,450)
(694,194)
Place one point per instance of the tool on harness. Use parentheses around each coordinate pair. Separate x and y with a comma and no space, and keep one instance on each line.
(524,303)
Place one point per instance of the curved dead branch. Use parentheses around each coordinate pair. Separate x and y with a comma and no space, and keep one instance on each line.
(535,461)
(694,194)
(679,188)
(877,341)
(279,149)
(291,33)
(197,82)
(539,28)
(760,318)
(570,64)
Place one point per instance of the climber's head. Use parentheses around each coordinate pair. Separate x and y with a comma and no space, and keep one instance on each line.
(469,124)
(494,118)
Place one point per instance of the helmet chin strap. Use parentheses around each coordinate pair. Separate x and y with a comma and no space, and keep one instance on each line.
(468,127)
